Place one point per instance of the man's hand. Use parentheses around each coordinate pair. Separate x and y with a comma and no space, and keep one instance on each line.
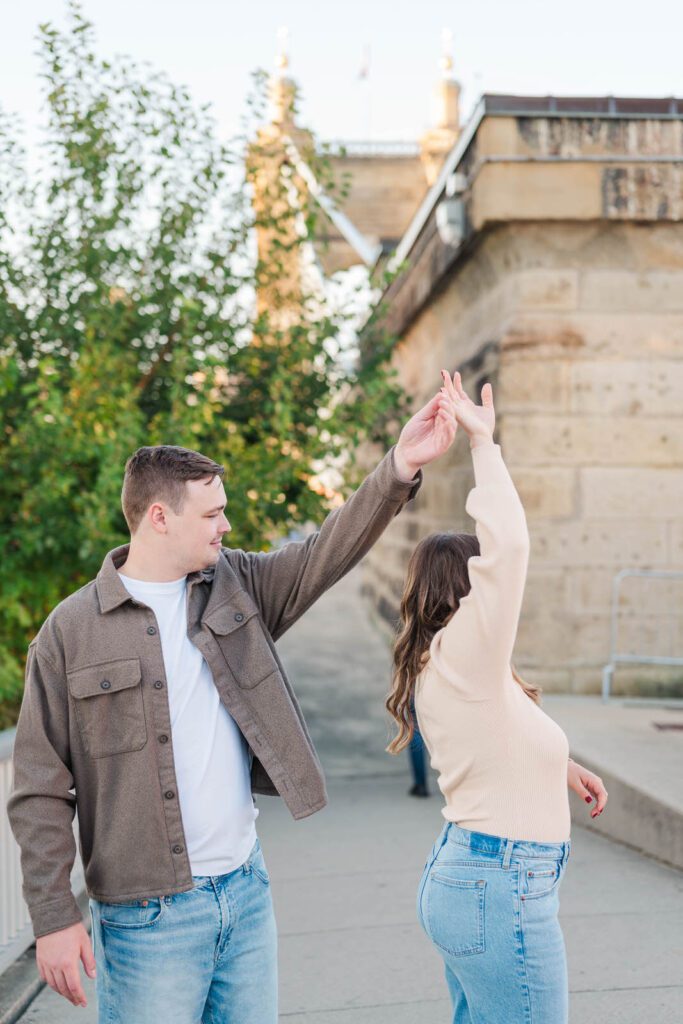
(587,785)
(427,435)
(58,955)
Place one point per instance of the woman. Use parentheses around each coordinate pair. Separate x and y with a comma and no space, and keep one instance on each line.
(488,898)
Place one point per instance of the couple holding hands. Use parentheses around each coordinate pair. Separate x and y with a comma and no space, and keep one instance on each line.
(156,707)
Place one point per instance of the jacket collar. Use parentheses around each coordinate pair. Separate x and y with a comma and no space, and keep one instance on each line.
(111,591)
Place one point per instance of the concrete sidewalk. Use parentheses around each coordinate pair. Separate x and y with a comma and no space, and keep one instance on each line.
(344,881)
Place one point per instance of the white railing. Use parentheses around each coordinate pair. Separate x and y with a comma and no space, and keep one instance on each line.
(16,934)
(356,147)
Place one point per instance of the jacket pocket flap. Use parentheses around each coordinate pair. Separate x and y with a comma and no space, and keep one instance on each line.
(232,614)
(108,677)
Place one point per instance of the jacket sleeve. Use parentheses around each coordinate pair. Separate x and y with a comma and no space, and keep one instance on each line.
(42,803)
(286,582)
(475,648)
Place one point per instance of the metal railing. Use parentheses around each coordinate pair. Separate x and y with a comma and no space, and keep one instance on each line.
(16,933)
(618,657)
(367,148)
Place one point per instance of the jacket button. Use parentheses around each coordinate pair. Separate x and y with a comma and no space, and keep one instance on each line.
(163,739)
(151,630)
(158,685)
(169,794)
(105,684)
(177,849)
(238,616)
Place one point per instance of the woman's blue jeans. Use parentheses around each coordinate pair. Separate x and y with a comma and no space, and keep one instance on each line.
(208,954)
(490,906)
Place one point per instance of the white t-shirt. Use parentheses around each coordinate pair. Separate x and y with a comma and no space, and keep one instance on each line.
(210,753)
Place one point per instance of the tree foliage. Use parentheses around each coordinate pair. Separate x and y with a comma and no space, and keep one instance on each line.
(128,279)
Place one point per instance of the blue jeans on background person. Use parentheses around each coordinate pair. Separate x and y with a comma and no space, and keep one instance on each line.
(418,758)
(208,954)
(490,907)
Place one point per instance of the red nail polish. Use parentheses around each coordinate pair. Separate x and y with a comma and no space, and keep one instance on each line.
(588,799)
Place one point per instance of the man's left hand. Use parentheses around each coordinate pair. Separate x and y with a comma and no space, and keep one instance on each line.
(426,436)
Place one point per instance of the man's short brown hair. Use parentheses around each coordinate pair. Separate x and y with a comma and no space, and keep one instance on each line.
(159,473)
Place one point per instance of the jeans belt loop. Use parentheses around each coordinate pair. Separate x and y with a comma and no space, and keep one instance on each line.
(509,844)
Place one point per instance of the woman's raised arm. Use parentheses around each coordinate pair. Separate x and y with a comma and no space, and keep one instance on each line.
(475,647)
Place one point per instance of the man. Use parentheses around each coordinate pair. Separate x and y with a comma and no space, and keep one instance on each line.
(156,705)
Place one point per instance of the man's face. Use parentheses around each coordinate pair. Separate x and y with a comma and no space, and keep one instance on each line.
(196,533)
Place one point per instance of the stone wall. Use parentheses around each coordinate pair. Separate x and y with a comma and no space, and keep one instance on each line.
(579,326)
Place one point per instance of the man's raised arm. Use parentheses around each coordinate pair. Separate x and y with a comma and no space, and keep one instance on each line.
(286,582)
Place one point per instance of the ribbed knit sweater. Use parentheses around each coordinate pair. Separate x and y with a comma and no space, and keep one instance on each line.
(502,762)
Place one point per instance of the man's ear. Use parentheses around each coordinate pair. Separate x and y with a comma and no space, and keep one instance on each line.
(156,514)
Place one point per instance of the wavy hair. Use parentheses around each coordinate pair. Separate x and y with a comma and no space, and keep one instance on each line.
(436,581)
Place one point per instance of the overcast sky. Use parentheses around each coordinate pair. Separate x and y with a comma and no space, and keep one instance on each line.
(587,47)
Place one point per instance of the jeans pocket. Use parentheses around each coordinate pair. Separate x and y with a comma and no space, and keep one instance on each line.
(142,913)
(455,913)
(433,854)
(541,879)
(257,864)
(420,892)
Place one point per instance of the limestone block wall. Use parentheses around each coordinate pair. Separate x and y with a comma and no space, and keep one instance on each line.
(580,329)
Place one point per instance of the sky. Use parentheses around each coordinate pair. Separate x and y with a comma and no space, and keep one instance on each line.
(587,47)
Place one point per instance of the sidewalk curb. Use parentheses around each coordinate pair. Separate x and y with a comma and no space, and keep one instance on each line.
(20,984)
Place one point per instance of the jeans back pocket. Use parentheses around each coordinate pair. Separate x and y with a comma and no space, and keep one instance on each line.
(454,912)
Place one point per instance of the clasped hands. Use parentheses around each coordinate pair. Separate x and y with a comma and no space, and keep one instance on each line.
(431,431)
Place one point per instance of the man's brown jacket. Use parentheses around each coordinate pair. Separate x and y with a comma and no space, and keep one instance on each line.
(94,732)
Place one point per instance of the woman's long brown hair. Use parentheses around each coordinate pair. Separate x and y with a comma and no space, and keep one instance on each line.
(436,581)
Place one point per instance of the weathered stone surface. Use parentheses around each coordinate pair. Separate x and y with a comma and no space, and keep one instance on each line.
(598,440)
(643,193)
(548,492)
(623,291)
(631,494)
(601,542)
(528,388)
(634,387)
(525,191)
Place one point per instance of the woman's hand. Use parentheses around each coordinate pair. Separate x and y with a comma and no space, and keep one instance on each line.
(478,421)
(428,434)
(588,786)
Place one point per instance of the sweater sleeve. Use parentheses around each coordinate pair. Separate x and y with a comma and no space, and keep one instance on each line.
(475,648)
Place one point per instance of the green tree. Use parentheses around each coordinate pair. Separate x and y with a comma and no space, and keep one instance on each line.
(128,277)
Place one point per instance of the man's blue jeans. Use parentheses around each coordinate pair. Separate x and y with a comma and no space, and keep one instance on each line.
(207,955)
(489,905)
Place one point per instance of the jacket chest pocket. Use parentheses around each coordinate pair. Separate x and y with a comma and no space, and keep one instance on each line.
(109,706)
(237,630)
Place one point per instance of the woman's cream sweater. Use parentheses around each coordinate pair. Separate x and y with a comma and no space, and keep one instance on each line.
(502,762)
